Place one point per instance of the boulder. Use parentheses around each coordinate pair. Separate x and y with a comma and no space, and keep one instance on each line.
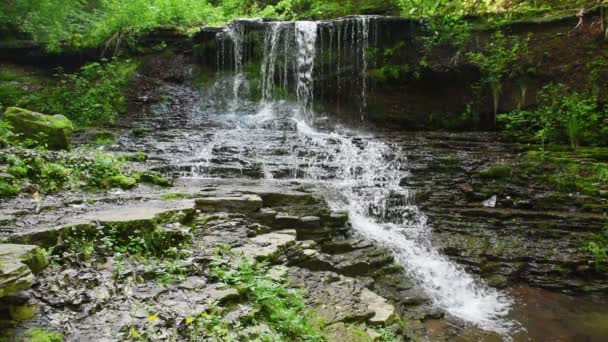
(17,264)
(53,130)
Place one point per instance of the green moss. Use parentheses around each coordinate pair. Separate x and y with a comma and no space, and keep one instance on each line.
(174,196)
(153,178)
(140,132)
(53,131)
(22,312)
(497,172)
(139,157)
(341,332)
(120,181)
(37,260)
(104,138)
(41,335)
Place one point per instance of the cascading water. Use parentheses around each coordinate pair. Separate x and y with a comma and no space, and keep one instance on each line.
(306,39)
(359,174)
(366,184)
(235,34)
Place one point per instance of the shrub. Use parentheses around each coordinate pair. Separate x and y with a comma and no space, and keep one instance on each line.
(562,116)
(7,189)
(53,177)
(106,172)
(119,21)
(279,306)
(93,96)
(6,134)
(498,60)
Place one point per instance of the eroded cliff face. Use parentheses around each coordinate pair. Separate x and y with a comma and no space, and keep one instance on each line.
(378,69)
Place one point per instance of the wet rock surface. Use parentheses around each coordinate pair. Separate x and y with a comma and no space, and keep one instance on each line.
(105,295)
(532,234)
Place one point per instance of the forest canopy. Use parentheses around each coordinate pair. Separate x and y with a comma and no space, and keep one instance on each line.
(85,23)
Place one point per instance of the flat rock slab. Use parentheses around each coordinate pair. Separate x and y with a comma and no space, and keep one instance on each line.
(266,245)
(15,275)
(140,212)
(46,233)
(246,204)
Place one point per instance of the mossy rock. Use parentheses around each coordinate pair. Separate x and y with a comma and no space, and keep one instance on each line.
(54,131)
(17,265)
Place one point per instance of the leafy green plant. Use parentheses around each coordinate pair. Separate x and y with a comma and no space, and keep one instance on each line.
(93,96)
(562,116)
(498,59)
(107,172)
(53,174)
(170,272)
(8,189)
(6,134)
(53,177)
(598,248)
(279,306)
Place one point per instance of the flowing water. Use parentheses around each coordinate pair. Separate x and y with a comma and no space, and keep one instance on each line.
(360,174)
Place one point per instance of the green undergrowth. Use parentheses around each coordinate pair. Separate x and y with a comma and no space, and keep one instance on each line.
(40,335)
(598,248)
(94,95)
(279,306)
(161,251)
(16,83)
(46,173)
(584,171)
(563,116)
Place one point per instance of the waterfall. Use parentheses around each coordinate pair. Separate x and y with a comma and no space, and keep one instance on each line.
(306,39)
(366,183)
(271,46)
(235,33)
(290,52)
(359,174)
(364,43)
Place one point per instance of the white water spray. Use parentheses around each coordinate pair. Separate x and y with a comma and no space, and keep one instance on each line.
(366,184)
(306,39)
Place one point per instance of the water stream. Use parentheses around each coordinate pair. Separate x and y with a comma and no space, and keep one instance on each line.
(360,174)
